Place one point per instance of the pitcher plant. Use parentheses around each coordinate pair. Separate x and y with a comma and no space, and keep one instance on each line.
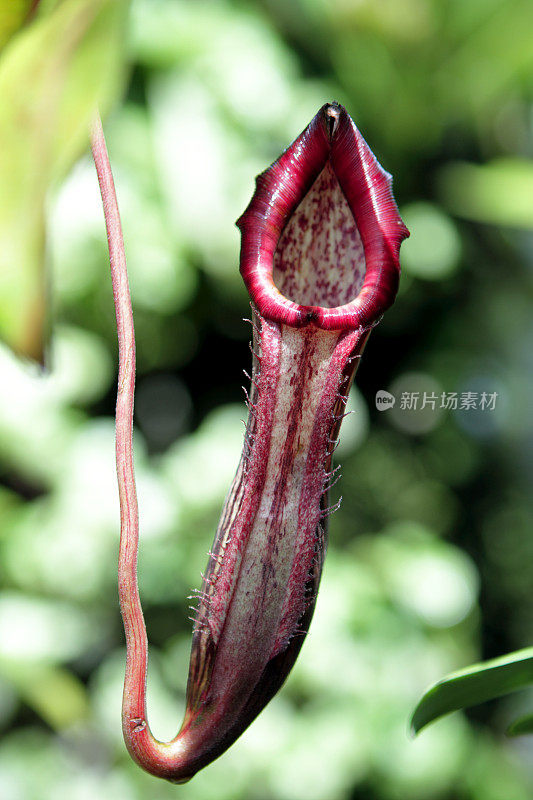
(320,260)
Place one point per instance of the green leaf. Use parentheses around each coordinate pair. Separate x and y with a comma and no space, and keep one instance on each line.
(52,75)
(521,726)
(475,684)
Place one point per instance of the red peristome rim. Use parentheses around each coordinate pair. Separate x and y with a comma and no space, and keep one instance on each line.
(331,135)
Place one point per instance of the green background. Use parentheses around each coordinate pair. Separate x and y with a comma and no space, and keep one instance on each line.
(430,560)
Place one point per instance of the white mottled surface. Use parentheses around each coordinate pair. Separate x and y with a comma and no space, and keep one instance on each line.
(320,260)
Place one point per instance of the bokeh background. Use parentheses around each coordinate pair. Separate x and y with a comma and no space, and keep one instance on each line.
(430,560)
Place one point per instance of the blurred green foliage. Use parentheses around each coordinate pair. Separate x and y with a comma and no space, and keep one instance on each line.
(52,73)
(429,566)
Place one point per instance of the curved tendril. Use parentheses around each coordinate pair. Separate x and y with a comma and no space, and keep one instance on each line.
(159,758)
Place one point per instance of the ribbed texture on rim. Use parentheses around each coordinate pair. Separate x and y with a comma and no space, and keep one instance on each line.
(331,136)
